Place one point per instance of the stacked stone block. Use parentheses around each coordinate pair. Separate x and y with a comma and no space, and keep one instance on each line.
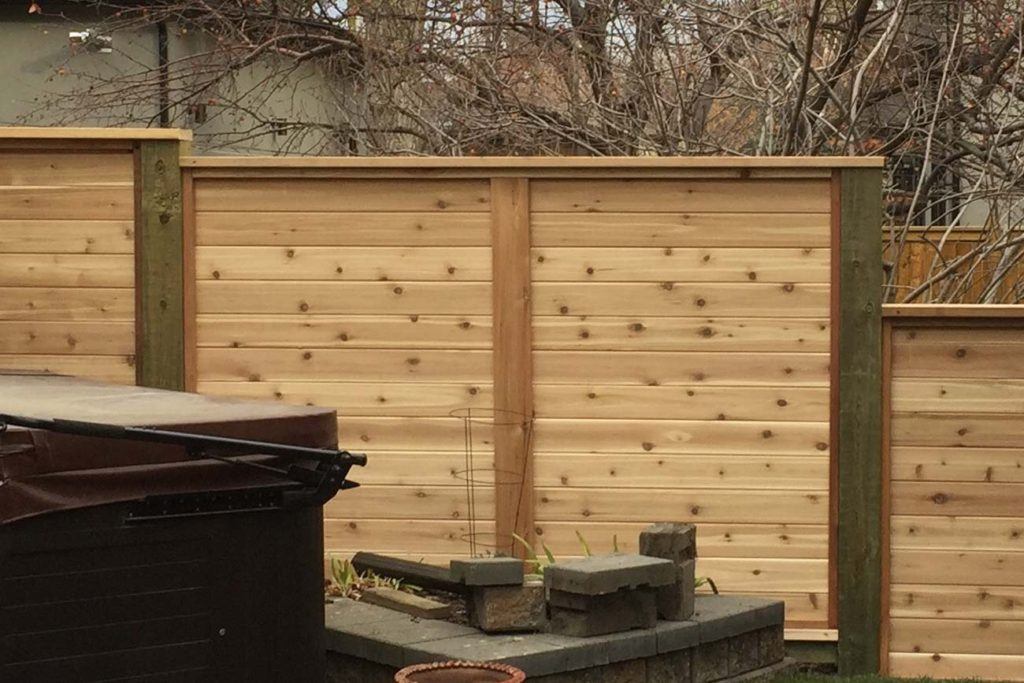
(678,543)
(499,600)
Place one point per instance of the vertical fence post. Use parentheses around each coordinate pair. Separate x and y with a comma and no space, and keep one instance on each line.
(513,363)
(858,209)
(159,272)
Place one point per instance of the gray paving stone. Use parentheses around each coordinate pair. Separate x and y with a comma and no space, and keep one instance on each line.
(671,667)
(722,616)
(603,574)
(772,645)
(488,571)
(497,609)
(583,653)
(669,540)
(344,611)
(529,652)
(744,653)
(676,600)
(620,611)
(676,635)
(711,661)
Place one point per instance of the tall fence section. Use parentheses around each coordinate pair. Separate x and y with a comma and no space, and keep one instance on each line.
(560,351)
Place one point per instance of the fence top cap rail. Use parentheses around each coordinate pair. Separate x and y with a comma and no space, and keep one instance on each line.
(41,133)
(646,162)
(953,311)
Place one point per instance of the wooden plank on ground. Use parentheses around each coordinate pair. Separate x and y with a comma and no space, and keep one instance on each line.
(355,229)
(684,402)
(680,230)
(657,196)
(660,368)
(346,331)
(677,333)
(681,299)
(661,264)
(439,264)
(365,298)
(293,194)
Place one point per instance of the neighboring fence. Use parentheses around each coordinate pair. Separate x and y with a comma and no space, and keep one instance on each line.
(637,340)
(955,464)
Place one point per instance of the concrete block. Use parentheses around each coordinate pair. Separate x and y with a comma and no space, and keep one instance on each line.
(669,540)
(612,613)
(408,603)
(771,645)
(498,609)
(598,651)
(677,635)
(744,653)
(488,571)
(711,661)
(723,616)
(528,652)
(602,574)
(676,601)
(671,667)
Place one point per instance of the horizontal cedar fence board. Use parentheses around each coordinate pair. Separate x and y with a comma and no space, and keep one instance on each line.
(66,303)
(587,470)
(67,270)
(934,665)
(394,365)
(681,505)
(59,202)
(954,312)
(958,568)
(686,402)
(680,230)
(930,463)
(37,133)
(956,395)
(961,636)
(46,236)
(439,264)
(807,541)
(413,331)
(417,434)
(674,333)
(667,196)
(364,298)
(342,195)
(923,601)
(986,499)
(956,429)
(429,468)
(398,399)
(682,367)
(647,264)
(680,298)
(61,337)
(29,168)
(405,536)
(958,357)
(351,229)
(409,503)
(958,533)
(680,436)
(106,368)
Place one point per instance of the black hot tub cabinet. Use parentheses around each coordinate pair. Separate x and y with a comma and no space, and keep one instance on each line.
(136,561)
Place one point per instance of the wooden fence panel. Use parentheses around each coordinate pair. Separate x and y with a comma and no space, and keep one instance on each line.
(956,517)
(67,271)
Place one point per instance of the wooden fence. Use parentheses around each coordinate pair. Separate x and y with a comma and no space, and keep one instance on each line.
(618,341)
(954,469)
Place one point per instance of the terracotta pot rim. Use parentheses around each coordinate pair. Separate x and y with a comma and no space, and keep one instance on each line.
(514,675)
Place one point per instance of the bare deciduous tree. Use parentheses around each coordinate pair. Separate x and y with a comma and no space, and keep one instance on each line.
(934,85)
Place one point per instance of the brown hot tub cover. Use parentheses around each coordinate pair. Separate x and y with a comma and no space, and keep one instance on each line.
(42,471)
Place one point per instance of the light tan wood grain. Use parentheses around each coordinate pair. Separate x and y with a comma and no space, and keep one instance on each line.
(660,264)
(66,303)
(354,228)
(686,368)
(958,567)
(985,499)
(681,299)
(71,236)
(67,270)
(409,503)
(676,333)
(54,202)
(653,196)
(956,395)
(117,369)
(341,195)
(431,434)
(427,468)
(677,230)
(944,665)
(960,354)
(443,264)
(89,338)
(958,533)
(393,365)
(367,298)
(930,463)
(345,331)
(685,402)
(987,637)
(925,601)
(406,536)
(958,429)
(65,168)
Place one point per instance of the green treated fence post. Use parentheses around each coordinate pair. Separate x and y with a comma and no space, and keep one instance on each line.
(859,523)
(159,267)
